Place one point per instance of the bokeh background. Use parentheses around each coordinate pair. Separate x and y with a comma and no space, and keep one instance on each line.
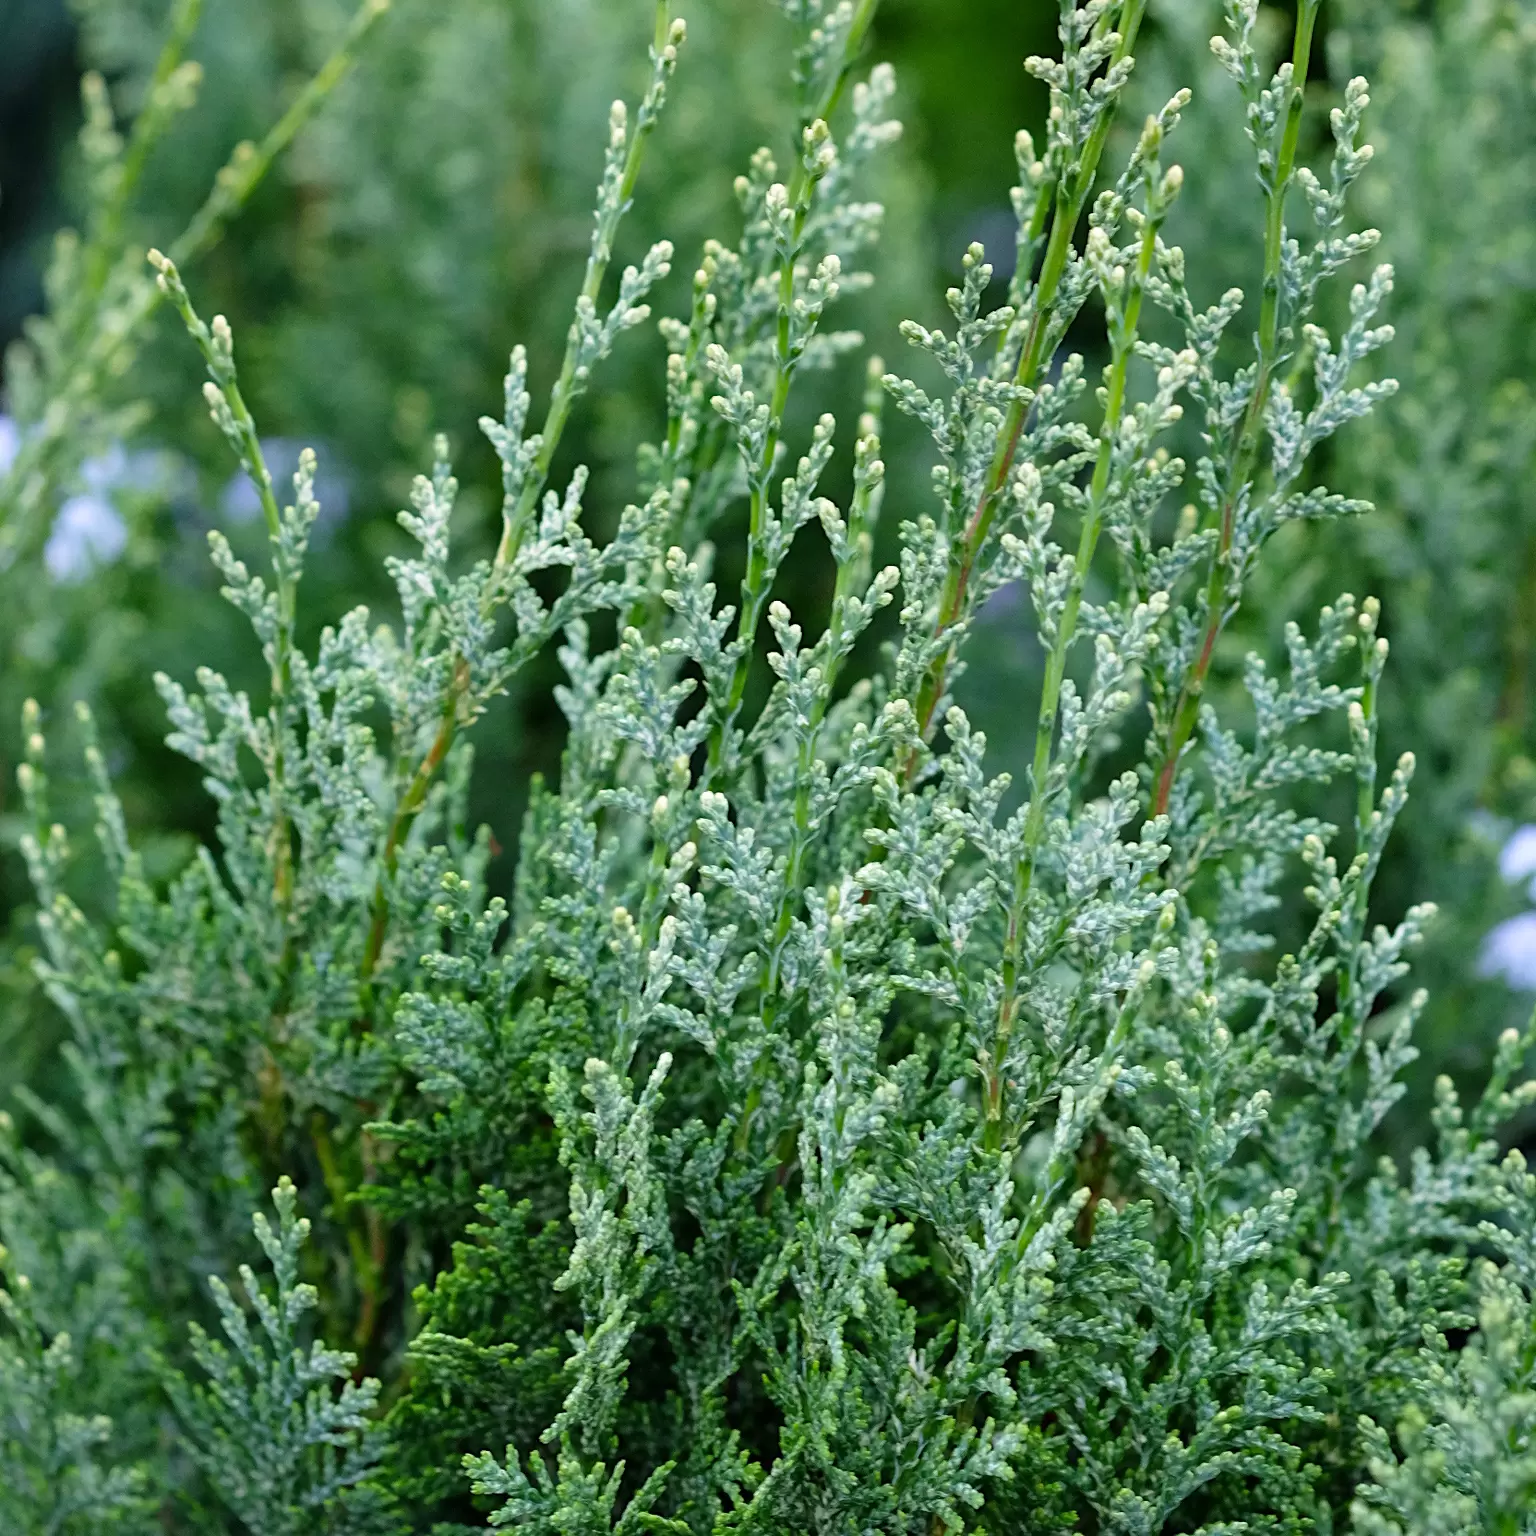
(437,211)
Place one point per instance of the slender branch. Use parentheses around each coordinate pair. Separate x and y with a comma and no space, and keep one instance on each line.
(153,118)
(250,163)
(1246,453)
(1070,200)
(1123,342)
(517,517)
(26,482)
(851,572)
(234,419)
(406,810)
(647,613)
(567,386)
(754,583)
(799,197)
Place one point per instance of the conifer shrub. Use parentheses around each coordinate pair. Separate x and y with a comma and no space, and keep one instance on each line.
(823,1133)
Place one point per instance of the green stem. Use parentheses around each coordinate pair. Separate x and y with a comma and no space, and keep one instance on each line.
(281,664)
(847,574)
(754,586)
(406,811)
(146,131)
(1068,205)
(563,396)
(367,1238)
(515,522)
(1062,1163)
(1365,773)
(217,347)
(1365,795)
(1056,664)
(647,613)
(249,164)
(1245,455)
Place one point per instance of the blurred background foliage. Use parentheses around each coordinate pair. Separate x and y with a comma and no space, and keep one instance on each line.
(435,211)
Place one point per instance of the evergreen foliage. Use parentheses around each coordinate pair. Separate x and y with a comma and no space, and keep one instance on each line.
(1446,462)
(817,1136)
(280,1446)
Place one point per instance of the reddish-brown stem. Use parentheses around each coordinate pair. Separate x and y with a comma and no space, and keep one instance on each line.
(1192,691)
(406,812)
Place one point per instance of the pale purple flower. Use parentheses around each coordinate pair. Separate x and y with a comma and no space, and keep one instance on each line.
(1510,951)
(1517,858)
(87,532)
(10,442)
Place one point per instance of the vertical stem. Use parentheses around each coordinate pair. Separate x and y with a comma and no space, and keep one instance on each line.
(224,396)
(141,140)
(1363,728)
(1245,455)
(647,613)
(26,481)
(563,396)
(1124,343)
(250,163)
(754,586)
(800,192)
(847,574)
(1069,203)
(516,519)
(406,811)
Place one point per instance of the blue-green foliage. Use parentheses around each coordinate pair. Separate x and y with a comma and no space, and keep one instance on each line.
(1467,1461)
(818,1137)
(280,1430)
(56,1473)
(1446,461)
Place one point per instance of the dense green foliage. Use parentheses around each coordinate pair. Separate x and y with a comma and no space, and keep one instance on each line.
(1446,464)
(835,1122)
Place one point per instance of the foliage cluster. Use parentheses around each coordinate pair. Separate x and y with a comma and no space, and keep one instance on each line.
(1446,463)
(826,1130)
(429,209)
